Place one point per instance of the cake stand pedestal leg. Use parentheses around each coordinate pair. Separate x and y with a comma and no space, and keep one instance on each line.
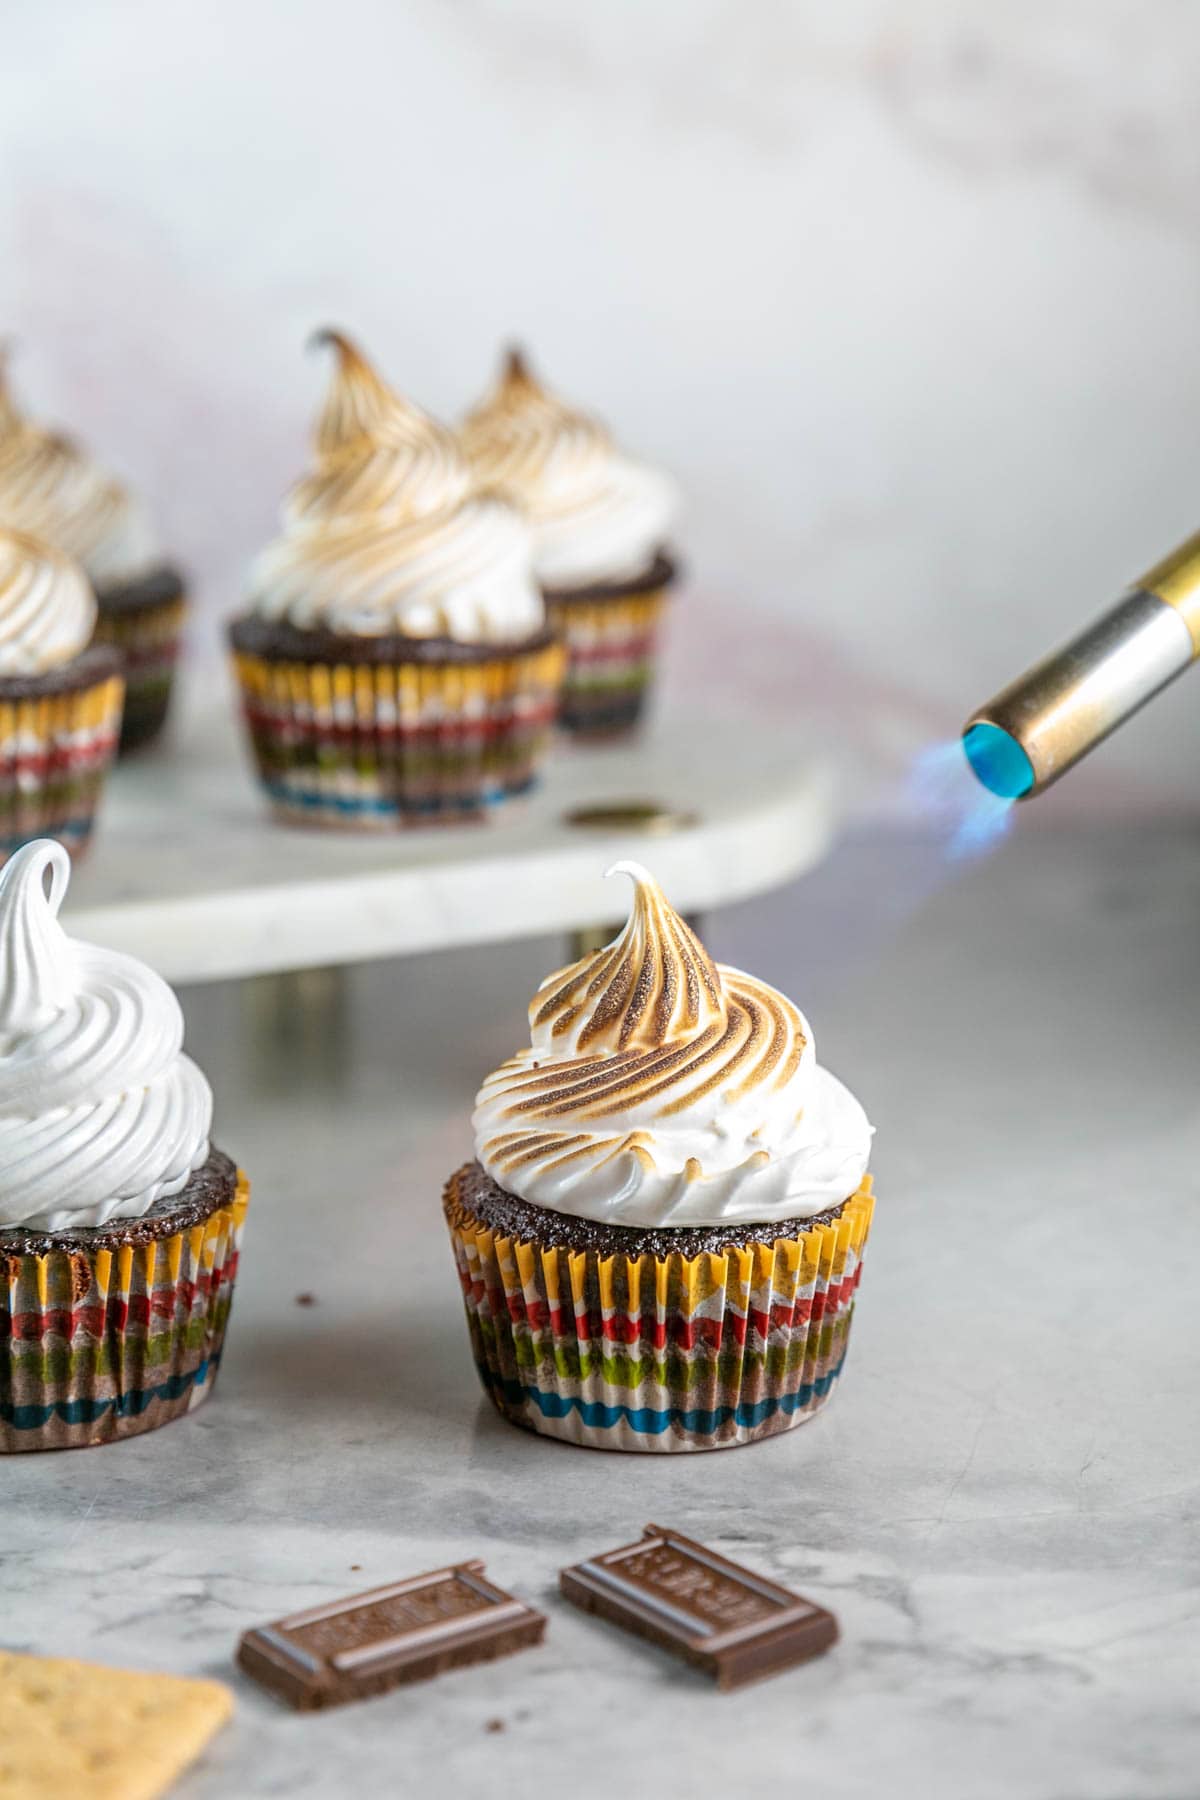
(298,1023)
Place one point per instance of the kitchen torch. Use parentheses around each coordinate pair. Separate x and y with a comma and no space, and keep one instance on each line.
(1041,724)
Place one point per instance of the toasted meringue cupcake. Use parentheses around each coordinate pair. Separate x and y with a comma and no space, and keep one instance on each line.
(50,486)
(600,523)
(60,698)
(395,663)
(119,1219)
(660,1238)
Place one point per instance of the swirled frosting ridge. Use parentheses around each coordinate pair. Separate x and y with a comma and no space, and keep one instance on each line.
(597,516)
(47,609)
(101,1114)
(385,534)
(52,488)
(661,1088)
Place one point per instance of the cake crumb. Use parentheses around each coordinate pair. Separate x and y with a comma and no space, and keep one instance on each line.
(494,1725)
(306,1299)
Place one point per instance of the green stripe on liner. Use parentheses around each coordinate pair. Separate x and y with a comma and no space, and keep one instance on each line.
(582,679)
(65,795)
(676,1370)
(145,687)
(62,1362)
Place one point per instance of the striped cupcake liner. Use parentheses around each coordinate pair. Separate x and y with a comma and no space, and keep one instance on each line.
(612,650)
(107,1344)
(376,746)
(55,752)
(148,639)
(660,1353)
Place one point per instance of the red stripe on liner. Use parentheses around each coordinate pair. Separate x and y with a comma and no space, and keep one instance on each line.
(634,649)
(117,1313)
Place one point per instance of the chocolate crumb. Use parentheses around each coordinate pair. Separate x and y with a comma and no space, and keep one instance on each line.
(306,1299)
(494,1725)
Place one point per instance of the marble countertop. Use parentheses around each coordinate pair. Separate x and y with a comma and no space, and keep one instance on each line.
(1000,1504)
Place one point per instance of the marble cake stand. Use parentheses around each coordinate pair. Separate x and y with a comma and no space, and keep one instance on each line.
(188,871)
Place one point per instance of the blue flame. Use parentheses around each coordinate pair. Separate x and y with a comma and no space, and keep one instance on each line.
(968,818)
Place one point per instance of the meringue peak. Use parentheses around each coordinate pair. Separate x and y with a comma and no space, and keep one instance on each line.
(654,984)
(37,977)
(362,412)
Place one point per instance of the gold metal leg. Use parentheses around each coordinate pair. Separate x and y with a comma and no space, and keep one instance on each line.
(298,1022)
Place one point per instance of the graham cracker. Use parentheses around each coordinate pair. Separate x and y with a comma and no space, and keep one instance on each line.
(81,1730)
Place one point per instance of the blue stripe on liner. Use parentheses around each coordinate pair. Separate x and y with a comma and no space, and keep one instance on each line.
(86,1412)
(699,1421)
(355,806)
(73,831)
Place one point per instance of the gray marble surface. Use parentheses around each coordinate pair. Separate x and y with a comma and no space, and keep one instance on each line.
(1000,1504)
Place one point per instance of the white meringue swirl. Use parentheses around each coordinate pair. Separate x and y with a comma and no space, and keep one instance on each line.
(101,1114)
(385,535)
(661,1089)
(596,515)
(51,487)
(47,609)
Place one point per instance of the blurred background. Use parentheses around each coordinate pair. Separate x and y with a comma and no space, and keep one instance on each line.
(906,292)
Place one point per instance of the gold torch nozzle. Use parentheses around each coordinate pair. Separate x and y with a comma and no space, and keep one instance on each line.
(1050,717)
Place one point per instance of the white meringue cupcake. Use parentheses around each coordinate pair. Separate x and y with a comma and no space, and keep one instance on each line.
(120,1221)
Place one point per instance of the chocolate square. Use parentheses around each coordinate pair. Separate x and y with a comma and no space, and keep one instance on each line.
(736,1626)
(408,1631)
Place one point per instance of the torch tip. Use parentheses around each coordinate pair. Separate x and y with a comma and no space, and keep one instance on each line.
(997,760)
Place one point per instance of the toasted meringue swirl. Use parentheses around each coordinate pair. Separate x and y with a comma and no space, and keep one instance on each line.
(385,534)
(596,515)
(47,609)
(663,1089)
(100,1113)
(50,487)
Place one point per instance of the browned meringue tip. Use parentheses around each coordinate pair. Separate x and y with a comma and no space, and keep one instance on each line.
(515,365)
(359,404)
(332,338)
(654,981)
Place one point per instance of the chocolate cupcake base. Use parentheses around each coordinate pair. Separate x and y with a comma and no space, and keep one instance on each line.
(58,737)
(143,621)
(612,635)
(113,1330)
(627,1339)
(378,733)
